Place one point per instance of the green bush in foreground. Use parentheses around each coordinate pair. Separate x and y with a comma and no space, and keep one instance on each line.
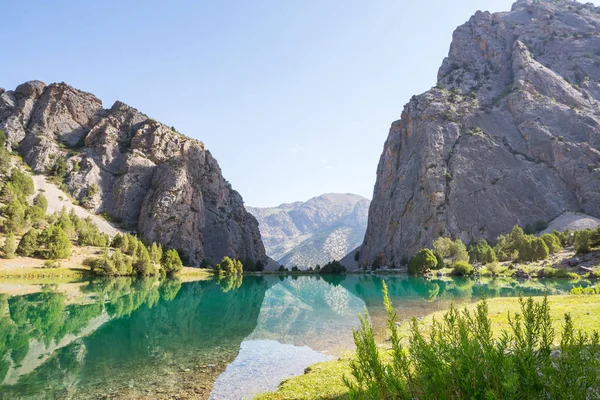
(460,359)
(462,268)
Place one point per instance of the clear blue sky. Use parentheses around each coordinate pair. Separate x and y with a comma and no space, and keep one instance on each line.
(293,98)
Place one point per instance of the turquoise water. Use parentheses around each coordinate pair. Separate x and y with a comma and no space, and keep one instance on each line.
(125,338)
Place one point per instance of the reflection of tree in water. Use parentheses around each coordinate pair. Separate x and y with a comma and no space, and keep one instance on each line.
(46,318)
(230,282)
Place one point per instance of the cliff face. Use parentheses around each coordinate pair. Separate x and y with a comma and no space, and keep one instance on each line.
(137,170)
(510,135)
(313,232)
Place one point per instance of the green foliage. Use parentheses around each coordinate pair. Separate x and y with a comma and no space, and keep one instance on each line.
(533,249)
(4,160)
(10,246)
(460,359)
(281,268)
(171,263)
(553,243)
(507,246)
(143,265)
(28,246)
(55,242)
(59,169)
(22,183)
(595,237)
(156,253)
(118,242)
(229,267)
(35,215)
(40,201)
(462,268)
(578,290)
(333,267)
(423,261)
(88,233)
(2,138)
(583,241)
(65,222)
(451,250)
(481,252)
(117,264)
(14,214)
(356,256)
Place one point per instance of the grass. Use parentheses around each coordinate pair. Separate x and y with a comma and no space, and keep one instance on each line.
(324,380)
(45,273)
(189,272)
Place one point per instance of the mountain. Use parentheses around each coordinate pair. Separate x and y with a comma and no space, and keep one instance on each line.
(317,231)
(131,168)
(510,134)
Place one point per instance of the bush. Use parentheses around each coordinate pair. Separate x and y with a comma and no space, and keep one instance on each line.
(533,249)
(171,263)
(451,250)
(35,215)
(553,243)
(88,233)
(10,246)
(28,246)
(22,183)
(333,267)
(14,214)
(460,359)
(481,252)
(143,265)
(583,241)
(462,268)
(423,261)
(56,242)
(229,266)
(40,201)
(4,160)
(281,269)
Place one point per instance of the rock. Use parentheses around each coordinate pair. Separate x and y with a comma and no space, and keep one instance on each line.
(510,135)
(155,180)
(317,231)
(573,262)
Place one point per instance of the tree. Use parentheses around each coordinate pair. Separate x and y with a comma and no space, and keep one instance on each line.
(56,242)
(356,256)
(117,242)
(553,243)
(28,245)
(333,267)
(481,252)
(22,182)
(171,263)
(10,246)
(259,266)
(582,241)
(462,268)
(35,215)
(451,250)
(423,261)
(156,253)
(532,249)
(143,265)
(14,212)
(40,201)
(64,222)
(4,161)
(121,263)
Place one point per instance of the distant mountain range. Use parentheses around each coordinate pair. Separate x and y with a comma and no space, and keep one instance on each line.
(313,232)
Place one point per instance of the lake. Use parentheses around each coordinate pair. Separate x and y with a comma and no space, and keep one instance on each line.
(130,338)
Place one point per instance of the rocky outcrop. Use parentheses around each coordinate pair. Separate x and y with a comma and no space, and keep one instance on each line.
(510,135)
(317,231)
(138,171)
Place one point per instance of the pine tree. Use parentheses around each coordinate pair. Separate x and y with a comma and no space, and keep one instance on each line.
(10,246)
(171,262)
(40,201)
(143,264)
(56,241)
(156,253)
(28,245)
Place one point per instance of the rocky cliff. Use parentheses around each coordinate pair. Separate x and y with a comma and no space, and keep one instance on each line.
(510,135)
(313,232)
(138,171)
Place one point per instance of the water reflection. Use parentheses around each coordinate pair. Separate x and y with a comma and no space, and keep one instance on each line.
(140,338)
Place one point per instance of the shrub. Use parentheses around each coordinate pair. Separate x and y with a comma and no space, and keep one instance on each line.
(333,267)
(481,252)
(4,160)
(533,249)
(295,269)
(229,266)
(10,246)
(553,243)
(451,250)
(28,246)
(56,242)
(88,233)
(462,268)
(582,241)
(40,201)
(22,183)
(14,214)
(171,263)
(460,359)
(423,261)
(35,215)
(281,269)
(143,265)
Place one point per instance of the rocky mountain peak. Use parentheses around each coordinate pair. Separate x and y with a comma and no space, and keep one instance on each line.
(140,172)
(510,134)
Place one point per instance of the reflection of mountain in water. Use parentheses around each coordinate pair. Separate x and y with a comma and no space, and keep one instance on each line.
(309,311)
(172,338)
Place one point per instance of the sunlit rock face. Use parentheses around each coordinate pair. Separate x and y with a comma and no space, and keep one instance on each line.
(510,135)
(314,232)
(130,166)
